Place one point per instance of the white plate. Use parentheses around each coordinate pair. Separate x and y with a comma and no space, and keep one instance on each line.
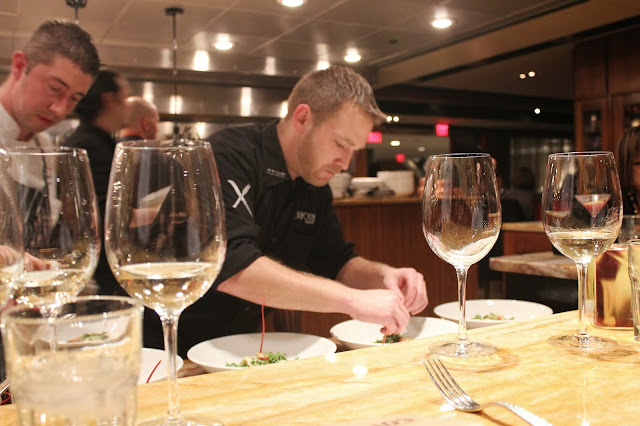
(149,358)
(518,309)
(213,355)
(356,334)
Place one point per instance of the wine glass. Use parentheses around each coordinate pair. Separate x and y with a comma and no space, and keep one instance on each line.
(461,218)
(164,235)
(11,239)
(57,203)
(582,213)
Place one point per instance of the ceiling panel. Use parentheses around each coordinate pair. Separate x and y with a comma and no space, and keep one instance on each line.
(340,34)
(253,24)
(146,21)
(8,7)
(376,12)
(496,7)
(310,9)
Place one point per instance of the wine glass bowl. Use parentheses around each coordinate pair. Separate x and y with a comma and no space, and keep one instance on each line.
(164,235)
(582,214)
(461,219)
(58,207)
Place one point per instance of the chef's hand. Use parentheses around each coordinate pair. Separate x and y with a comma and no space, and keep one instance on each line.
(410,283)
(385,307)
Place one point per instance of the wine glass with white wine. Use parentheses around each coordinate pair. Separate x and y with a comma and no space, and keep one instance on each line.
(57,203)
(165,236)
(582,214)
(461,219)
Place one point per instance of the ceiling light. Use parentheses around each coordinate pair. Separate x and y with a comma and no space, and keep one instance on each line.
(352,56)
(532,74)
(292,3)
(395,119)
(441,23)
(536,110)
(394,143)
(523,76)
(322,65)
(223,44)
(421,149)
(389,118)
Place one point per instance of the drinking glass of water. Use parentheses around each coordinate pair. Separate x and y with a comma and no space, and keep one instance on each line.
(78,368)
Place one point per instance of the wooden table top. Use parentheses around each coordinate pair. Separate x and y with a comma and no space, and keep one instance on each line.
(389,383)
(546,264)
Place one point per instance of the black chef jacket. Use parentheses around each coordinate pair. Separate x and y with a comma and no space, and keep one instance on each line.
(267,214)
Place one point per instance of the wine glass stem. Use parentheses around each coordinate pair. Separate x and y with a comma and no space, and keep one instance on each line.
(170,330)
(582,294)
(461,273)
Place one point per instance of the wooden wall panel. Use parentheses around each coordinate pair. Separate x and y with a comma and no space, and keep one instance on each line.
(624,62)
(590,69)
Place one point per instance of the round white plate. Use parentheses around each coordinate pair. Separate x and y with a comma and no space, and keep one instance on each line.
(518,309)
(149,358)
(213,355)
(356,334)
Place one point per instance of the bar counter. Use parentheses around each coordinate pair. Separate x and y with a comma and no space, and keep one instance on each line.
(544,264)
(390,384)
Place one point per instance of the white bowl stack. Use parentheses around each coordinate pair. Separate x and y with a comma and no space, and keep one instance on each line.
(399,181)
(339,184)
(361,186)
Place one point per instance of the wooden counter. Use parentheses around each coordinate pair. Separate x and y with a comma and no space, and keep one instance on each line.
(524,237)
(389,383)
(544,264)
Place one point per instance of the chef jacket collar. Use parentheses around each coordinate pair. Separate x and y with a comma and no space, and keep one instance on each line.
(275,169)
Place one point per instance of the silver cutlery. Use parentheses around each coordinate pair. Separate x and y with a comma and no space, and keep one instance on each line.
(459,399)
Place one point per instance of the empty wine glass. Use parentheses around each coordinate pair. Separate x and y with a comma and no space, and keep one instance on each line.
(582,213)
(11,243)
(57,203)
(164,235)
(461,218)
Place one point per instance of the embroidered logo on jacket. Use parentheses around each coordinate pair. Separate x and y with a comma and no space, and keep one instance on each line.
(240,195)
(276,173)
(306,217)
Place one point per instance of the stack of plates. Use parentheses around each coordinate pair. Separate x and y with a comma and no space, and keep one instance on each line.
(399,181)
(362,186)
(339,184)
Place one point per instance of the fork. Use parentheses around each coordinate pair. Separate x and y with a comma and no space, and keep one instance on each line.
(459,399)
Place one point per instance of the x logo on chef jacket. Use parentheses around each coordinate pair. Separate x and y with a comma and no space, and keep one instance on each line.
(241,195)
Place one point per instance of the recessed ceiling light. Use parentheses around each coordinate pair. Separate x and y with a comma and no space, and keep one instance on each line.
(532,74)
(352,56)
(223,45)
(389,118)
(394,143)
(536,110)
(395,119)
(421,149)
(292,3)
(523,76)
(441,23)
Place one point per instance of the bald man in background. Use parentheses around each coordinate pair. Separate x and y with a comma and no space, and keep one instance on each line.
(143,120)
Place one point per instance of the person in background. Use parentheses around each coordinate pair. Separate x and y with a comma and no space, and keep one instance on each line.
(47,78)
(523,192)
(102,112)
(285,245)
(143,120)
(628,162)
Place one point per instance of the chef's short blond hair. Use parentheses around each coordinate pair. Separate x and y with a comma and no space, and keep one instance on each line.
(325,91)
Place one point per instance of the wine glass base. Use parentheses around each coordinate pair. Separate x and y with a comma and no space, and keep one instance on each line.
(463,349)
(588,343)
(183,421)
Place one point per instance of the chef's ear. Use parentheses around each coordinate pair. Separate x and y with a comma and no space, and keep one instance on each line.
(301,116)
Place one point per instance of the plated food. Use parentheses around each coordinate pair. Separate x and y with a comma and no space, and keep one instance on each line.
(221,353)
(485,312)
(356,334)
